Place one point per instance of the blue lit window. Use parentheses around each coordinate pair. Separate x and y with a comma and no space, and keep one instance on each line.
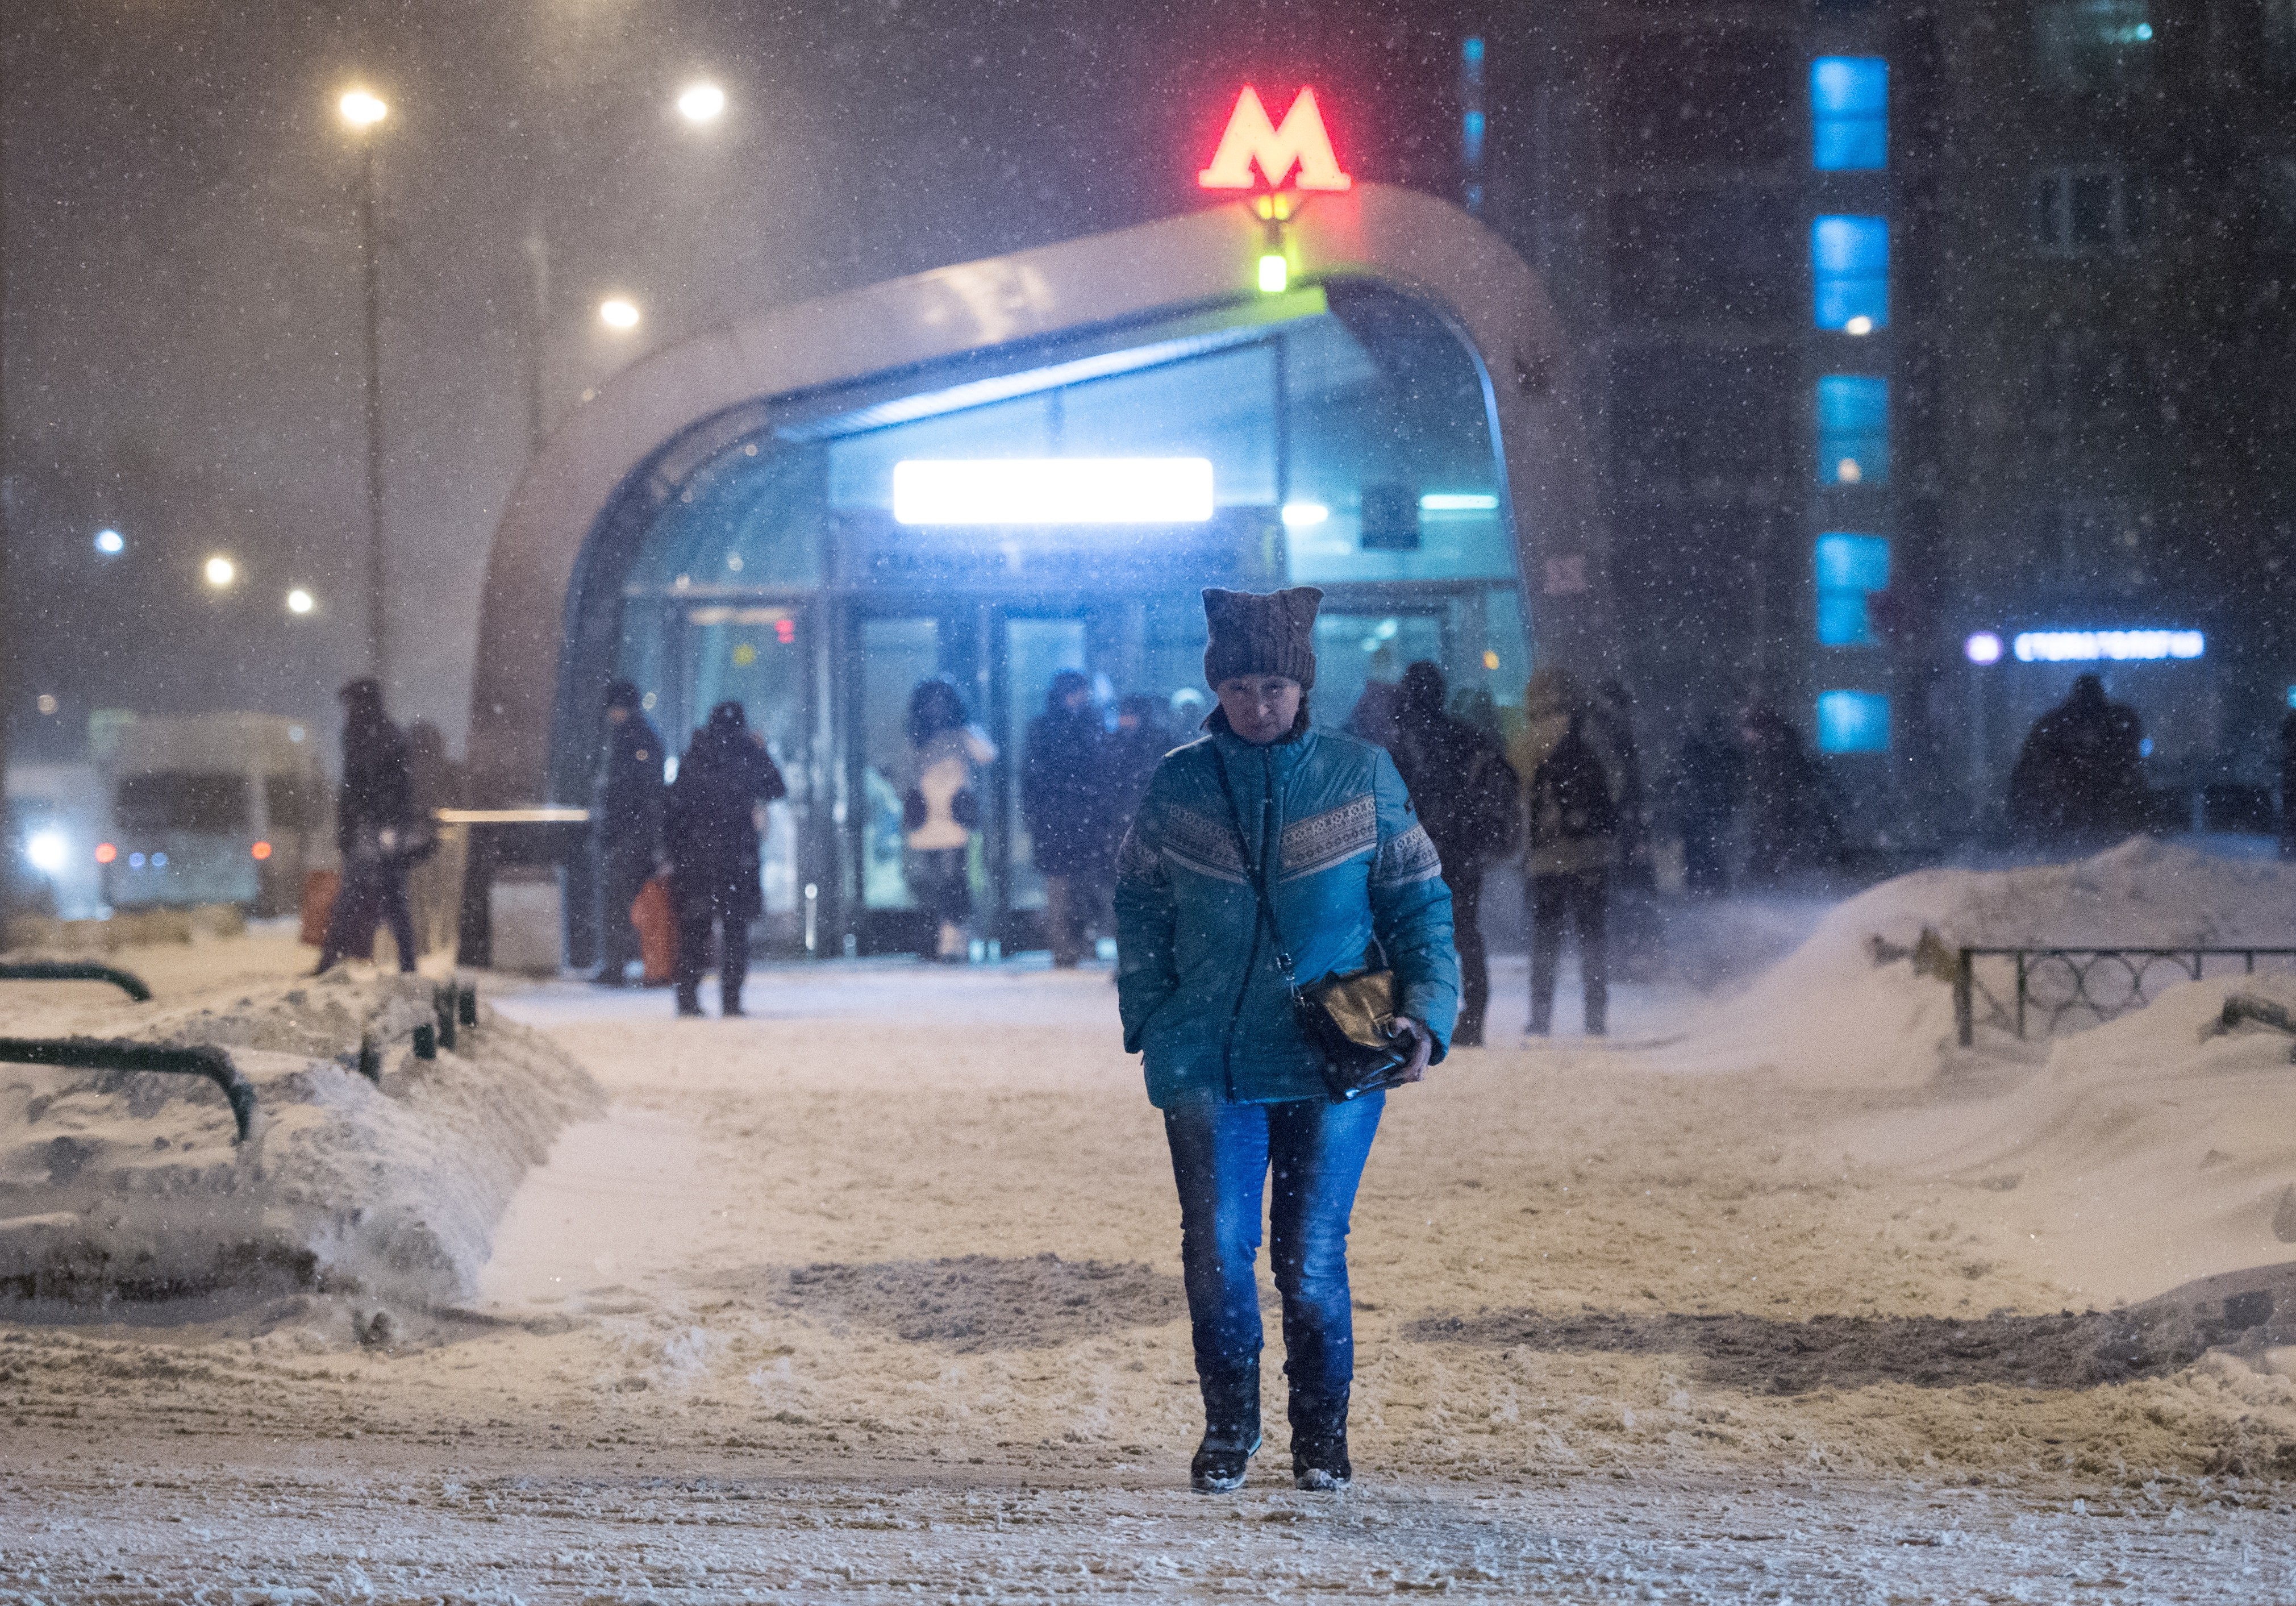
(1471,118)
(1849,114)
(1853,430)
(1850,568)
(1850,267)
(1853,721)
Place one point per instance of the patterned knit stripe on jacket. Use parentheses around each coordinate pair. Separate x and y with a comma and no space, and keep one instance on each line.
(1199,987)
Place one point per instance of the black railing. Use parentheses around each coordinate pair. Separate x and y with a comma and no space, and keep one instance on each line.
(2099,983)
(77,970)
(114,1054)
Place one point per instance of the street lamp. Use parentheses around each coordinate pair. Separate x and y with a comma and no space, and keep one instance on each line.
(702,102)
(110,542)
(221,571)
(363,114)
(616,313)
(299,601)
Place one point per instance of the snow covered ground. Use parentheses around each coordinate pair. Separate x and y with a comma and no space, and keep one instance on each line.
(875,1295)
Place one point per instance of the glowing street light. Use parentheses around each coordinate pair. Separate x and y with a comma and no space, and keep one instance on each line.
(361,110)
(221,571)
(299,601)
(110,542)
(702,102)
(617,314)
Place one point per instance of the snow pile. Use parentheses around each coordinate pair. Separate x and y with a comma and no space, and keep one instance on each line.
(121,1185)
(1856,1006)
(2154,1150)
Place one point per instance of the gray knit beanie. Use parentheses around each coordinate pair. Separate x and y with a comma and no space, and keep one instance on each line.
(1254,633)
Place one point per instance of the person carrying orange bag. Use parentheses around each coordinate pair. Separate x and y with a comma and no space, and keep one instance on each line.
(656,919)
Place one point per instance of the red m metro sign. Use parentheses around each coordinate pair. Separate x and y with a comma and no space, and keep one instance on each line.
(1299,141)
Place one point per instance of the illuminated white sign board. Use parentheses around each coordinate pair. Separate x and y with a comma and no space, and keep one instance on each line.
(1053,491)
(2091,647)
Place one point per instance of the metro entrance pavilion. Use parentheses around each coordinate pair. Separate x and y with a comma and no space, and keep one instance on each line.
(1002,469)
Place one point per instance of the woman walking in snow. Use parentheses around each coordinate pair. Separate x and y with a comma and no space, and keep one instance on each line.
(1266,837)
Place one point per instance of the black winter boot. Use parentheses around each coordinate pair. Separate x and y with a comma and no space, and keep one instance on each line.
(1231,1431)
(1319,1441)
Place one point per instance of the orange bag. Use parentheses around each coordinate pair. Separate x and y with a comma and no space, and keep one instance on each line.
(319,890)
(657,922)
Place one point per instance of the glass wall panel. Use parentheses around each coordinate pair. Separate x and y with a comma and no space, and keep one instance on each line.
(1392,473)
(751,518)
(861,467)
(1035,651)
(1220,407)
(756,657)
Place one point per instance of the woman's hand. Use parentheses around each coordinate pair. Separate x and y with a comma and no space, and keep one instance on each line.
(1423,1046)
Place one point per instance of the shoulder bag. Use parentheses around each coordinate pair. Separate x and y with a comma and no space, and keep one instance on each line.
(1346,1017)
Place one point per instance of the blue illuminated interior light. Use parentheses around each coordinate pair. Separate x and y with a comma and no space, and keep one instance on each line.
(1849,114)
(1853,721)
(1459,501)
(1849,569)
(1853,430)
(1849,271)
(1471,56)
(1471,135)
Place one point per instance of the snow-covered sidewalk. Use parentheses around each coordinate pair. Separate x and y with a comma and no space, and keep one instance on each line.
(875,1294)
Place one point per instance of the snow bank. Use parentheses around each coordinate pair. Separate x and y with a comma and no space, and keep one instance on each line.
(1847,1010)
(117,1185)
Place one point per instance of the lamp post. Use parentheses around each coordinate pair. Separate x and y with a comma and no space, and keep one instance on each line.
(364,113)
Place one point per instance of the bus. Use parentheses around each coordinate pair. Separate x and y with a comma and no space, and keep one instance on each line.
(213,808)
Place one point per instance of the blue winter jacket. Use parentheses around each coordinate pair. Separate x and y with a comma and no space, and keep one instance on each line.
(1197,980)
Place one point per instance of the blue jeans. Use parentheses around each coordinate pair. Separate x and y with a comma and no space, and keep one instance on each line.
(1221,1154)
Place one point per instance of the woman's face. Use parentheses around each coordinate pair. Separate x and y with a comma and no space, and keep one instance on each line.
(1260,708)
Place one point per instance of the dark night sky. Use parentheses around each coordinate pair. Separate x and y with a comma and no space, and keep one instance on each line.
(182,338)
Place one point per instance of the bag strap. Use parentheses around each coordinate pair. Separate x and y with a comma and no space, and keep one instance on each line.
(1255,873)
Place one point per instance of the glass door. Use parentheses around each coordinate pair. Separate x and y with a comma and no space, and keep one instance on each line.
(1360,652)
(1035,649)
(759,656)
(891,656)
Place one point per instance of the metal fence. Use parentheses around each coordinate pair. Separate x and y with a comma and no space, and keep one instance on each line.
(2091,984)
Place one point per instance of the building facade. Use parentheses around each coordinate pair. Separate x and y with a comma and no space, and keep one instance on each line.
(1931,358)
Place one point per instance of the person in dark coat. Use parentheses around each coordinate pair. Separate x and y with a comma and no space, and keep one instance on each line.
(1792,822)
(1570,793)
(712,828)
(1709,780)
(625,817)
(1470,800)
(377,830)
(2081,772)
(1064,804)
